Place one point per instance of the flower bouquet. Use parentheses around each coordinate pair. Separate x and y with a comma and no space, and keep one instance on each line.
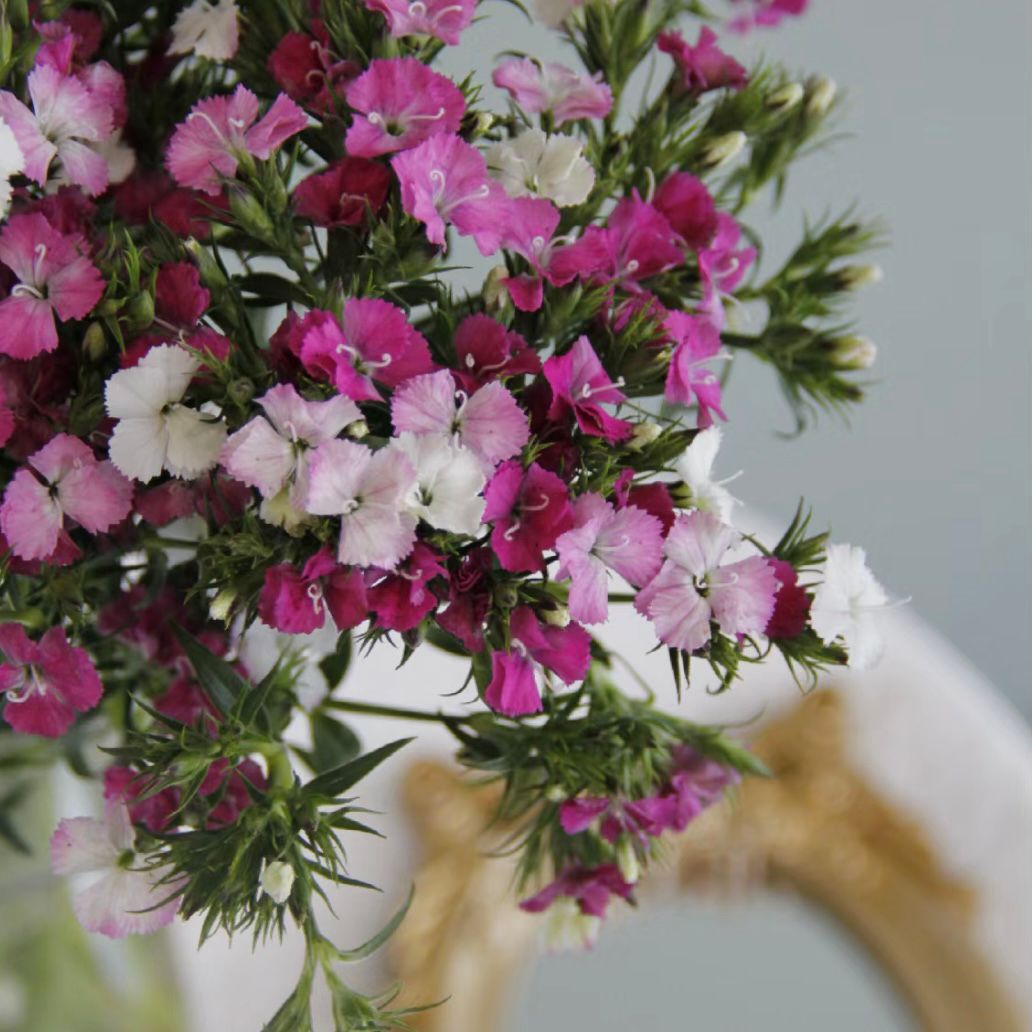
(242,393)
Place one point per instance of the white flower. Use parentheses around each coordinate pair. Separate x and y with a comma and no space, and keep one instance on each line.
(155,431)
(207,30)
(846,605)
(12,161)
(543,166)
(448,485)
(123,898)
(695,468)
(554,12)
(120,157)
(277,880)
(568,928)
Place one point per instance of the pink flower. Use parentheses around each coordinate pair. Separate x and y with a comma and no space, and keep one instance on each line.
(367,490)
(345,194)
(54,277)
(46,683)
(692,587)
(219,131)
(530,509)
(66,117)
(688,207)
(298,603)
(489,422)
(528,231)
(704,66)
(272,453)
(722,265)
(487,351)
(580,384)
(513,689)
(442,19)
(401,599)
(688,379)
(373,341)
(404,103)
(70,483)
(126,897)
(628,541)
(766,13)
(591,888)
(551,87)
(445,180)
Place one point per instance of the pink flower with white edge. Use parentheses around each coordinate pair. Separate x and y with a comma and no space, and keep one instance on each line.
(220,131)
(298,602)
(55,280)
(373,341)
(442,19)
(125,896)
(721,267)
(367,490)
(704,66)
(66,118)
(539,87)
(155,430)
(449,480)
(529,509)
(45,683)
(270,453)
(627,541)
(400,102)
(689,380)
(444,181)
(581,385)
(489,422)
(70,483)
(692,587)
(402,598)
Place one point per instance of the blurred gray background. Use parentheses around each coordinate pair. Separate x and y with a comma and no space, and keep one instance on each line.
(933,474)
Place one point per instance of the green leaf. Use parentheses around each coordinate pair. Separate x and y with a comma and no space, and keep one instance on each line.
(370,947)
(333,782)
(335,665)
(333,743)
(221,683)
(272,289)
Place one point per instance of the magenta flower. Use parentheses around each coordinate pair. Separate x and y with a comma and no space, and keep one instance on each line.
(704,66)
(401,599)
(688,207)
(489,422)
(345,194)
(628,541)
(64,480)
(581,385)
(530,509)
(765,13)
(529,232)
(513,688)
(66,118)
(403,103)
(299,602)
(551,87)
(722,265)
(591,888)
(373,341)
(692,587)
(487,351)
(55,278)
(305,68)
(442,19)
(445,181)
(688,379)
(45,683)
(220,131)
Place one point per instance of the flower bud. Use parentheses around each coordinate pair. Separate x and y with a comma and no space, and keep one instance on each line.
(627,859)
(555,794)
(211,273)
(484,122)
(853,277)
(559,616)
(358,429)
(94,341)
(822,92)
(253,218)
(496,297)
(723,149)
(785,98)
(506,596)
(644,434)
(241,391)
(853,352)
(140,311)
(277,880)
(221,606)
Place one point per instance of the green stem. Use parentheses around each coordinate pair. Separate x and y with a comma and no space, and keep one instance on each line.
(375,710)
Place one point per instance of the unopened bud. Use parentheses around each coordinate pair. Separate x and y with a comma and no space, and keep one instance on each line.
(506,596)
(723,149)
(853,352)
(140,311)
(211,272)
(278,512)
(556,617)
(241,391)
(643,435)
(822,92)
(484,122)
(277,880)
(555,794)
(496,296)
(785,97)
(248,211)
(627,860)
(221,605)
(853,277)
(94,341)
(358,429)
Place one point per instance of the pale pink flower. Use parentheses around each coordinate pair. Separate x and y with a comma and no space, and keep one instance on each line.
(66,117)
(367,490)
(45,683)
(271,453)
(539,87)
(219,131)
(489,422)
(692,587)
(70,483)
(124,898)
(530,233)
(689,378)
(54,278)
(442,19)
(628,541)
(400,103)
(721,267)
(207,29)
